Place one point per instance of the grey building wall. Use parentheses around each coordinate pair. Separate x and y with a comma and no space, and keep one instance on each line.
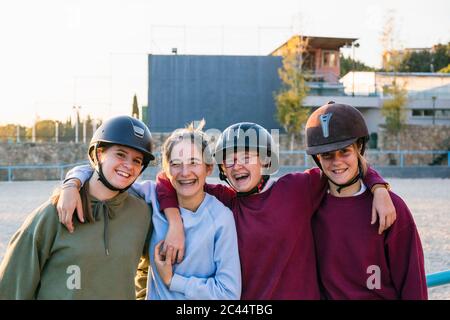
(222,89)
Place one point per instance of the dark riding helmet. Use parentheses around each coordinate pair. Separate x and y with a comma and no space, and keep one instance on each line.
(245,136)
(334,126)
(125,131)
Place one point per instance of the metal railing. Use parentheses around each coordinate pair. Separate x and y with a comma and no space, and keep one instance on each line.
(60,167)
(438,279)
(375,157)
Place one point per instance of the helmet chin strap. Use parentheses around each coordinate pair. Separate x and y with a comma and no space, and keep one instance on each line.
(352,181)
(106,183)
(257,188)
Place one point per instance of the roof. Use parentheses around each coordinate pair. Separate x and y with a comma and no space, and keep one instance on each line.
(323,42)
(415,74)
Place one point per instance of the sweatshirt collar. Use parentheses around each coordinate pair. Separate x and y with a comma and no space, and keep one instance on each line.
(108,209)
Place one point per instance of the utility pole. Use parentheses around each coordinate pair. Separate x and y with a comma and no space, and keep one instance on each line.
(84,131)
(18,134)
(353,67)
(56,131)
(94,125)
(33,131)
(434,111)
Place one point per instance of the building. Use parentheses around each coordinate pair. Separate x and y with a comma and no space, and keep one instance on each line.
(321,59)
(221,89)
(428,95)
(229,89)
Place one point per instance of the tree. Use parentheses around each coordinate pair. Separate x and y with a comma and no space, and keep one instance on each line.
(441,56)
(135,110)
(348,64)
(445,70)
(417,62)
(45,130)
(426,60)
(8,133)
(394,109)
(66,131)
(392,58)
(291,112)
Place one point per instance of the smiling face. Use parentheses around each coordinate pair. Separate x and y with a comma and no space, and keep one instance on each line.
(340,165)
(243,170)
(121,165)
(187,171)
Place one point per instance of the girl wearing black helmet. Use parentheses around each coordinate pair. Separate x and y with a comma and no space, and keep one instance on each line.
(354,261)
(273,218)
(43,261)
(211,269)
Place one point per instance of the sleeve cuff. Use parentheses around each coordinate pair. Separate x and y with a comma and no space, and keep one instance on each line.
(178,283)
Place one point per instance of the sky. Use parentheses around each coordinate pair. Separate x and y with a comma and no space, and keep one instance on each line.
(59,54)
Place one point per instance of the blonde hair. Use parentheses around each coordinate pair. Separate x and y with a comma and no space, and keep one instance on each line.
(195,135)
(364,164)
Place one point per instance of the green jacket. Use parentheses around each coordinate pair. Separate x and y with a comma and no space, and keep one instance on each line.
(98,261)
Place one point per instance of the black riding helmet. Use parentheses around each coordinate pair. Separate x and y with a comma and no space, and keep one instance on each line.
(335,126)
(125,131)
(245,136)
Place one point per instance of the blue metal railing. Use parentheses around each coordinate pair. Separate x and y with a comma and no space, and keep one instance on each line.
(438,279)
(306,158)
(60,167)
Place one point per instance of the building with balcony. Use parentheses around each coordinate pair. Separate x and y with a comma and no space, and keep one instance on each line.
(229,89)
(428,95)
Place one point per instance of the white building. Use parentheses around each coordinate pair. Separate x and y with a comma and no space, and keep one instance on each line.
(428,96)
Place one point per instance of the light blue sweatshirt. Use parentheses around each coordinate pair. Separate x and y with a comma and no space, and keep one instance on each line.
(211,267)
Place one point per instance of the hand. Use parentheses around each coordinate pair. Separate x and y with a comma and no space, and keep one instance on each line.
(68,201)
(175,235)
(382,204)
(164,263)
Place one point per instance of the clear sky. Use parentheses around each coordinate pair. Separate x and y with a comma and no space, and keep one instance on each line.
(56,54)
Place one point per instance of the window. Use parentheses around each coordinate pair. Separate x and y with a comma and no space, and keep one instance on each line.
(439,113)
(330,58)
(443,114)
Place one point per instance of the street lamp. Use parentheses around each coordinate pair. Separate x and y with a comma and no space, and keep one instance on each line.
(354,45)
(434,111)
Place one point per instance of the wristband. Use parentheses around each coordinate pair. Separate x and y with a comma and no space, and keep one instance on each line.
(385,186)
(69,184)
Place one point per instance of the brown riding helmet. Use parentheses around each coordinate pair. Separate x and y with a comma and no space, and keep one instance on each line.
(333,127)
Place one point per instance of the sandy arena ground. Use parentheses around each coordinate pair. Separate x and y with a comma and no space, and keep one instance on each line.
(428,199)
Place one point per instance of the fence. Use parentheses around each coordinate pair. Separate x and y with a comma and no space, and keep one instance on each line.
(47,171)
(295,160)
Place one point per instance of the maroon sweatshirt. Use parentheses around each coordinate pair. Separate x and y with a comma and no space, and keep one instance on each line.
(354,262)
(275,240)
